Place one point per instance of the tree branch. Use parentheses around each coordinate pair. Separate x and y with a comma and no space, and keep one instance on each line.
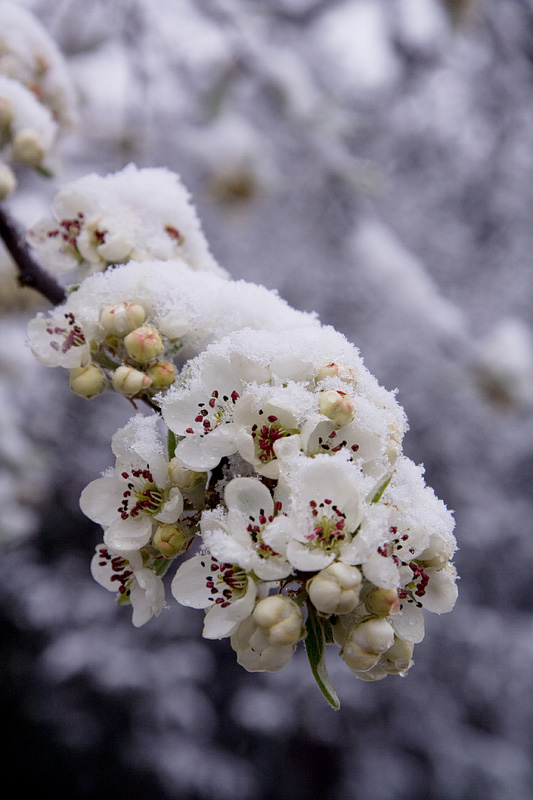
(30,272)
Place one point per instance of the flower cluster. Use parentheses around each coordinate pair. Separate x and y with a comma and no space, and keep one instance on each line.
(37,98)
(271,464)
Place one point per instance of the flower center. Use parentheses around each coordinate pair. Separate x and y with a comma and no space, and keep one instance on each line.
(225,582)
(141,495)
(328,525)
(266,436)
(213,413)
(256,527)
(71,334)
(119,568)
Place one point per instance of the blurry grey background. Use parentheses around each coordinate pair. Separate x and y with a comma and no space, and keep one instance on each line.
(372,160)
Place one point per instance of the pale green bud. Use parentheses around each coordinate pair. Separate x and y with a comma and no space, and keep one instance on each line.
(129,381)
(28,148)
(335,590)
(162,374)
(337,406)
(381,602)
(87,381)
(121,319)
(170,540)
(280,619)
(8,182)
(144,343)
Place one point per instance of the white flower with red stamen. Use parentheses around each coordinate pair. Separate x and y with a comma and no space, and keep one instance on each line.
(324,510)
(139,494)
(244,533)
(59,340)
(225,591)
(126,574)
(268,421)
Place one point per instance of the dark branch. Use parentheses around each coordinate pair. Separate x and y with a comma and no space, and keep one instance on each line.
(30,272)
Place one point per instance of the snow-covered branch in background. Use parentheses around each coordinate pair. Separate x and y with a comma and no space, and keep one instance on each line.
(37,98)
(272,468)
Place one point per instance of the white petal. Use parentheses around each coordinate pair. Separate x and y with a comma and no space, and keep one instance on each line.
(441,591)
(129,534)
(172,509)
(308,559)
(381,571)
(189,583)
(409,623)
(101,498)
(248,496)
(220,622)
(147,596)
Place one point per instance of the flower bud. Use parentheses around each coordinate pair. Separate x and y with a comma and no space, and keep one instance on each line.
(114,249)
(28,148)
(8,182)
(184,478)
(162,374)
(335,590)
(365,643)
(335,371)
(280,619)
(337,406)
(87,381)
(122,319)
(397,659)
(381,602)
(144,343)
(170,540)
(129,381)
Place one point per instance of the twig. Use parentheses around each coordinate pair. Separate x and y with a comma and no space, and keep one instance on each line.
(30,272)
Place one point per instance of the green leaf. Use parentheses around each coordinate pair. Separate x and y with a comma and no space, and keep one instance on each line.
(171,444)
(377,492)
(315,645)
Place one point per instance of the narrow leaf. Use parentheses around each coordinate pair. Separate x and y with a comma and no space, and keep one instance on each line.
(171,444)
(377,492)
(315,645)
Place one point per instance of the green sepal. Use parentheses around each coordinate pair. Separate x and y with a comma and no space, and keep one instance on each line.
(377,492)
(315,646)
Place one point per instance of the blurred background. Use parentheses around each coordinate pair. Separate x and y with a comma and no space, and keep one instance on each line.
(372,160)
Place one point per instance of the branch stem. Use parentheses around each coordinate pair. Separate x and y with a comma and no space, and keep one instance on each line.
(30,272)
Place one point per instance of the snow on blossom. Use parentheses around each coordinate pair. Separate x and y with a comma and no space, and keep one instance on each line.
(131,215)
(27,129)
(130,500)
(29,55)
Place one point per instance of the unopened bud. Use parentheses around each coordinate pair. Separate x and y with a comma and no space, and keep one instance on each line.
(381,602)
(28,148)
(87,381)
(184,478)
(335,590)
(337,406)
(336,371)
(162,374)
(8,182)
(144,343)
(129,381)
(170,540)
(280,619)
(122,319)
(366,642)
(397,658)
